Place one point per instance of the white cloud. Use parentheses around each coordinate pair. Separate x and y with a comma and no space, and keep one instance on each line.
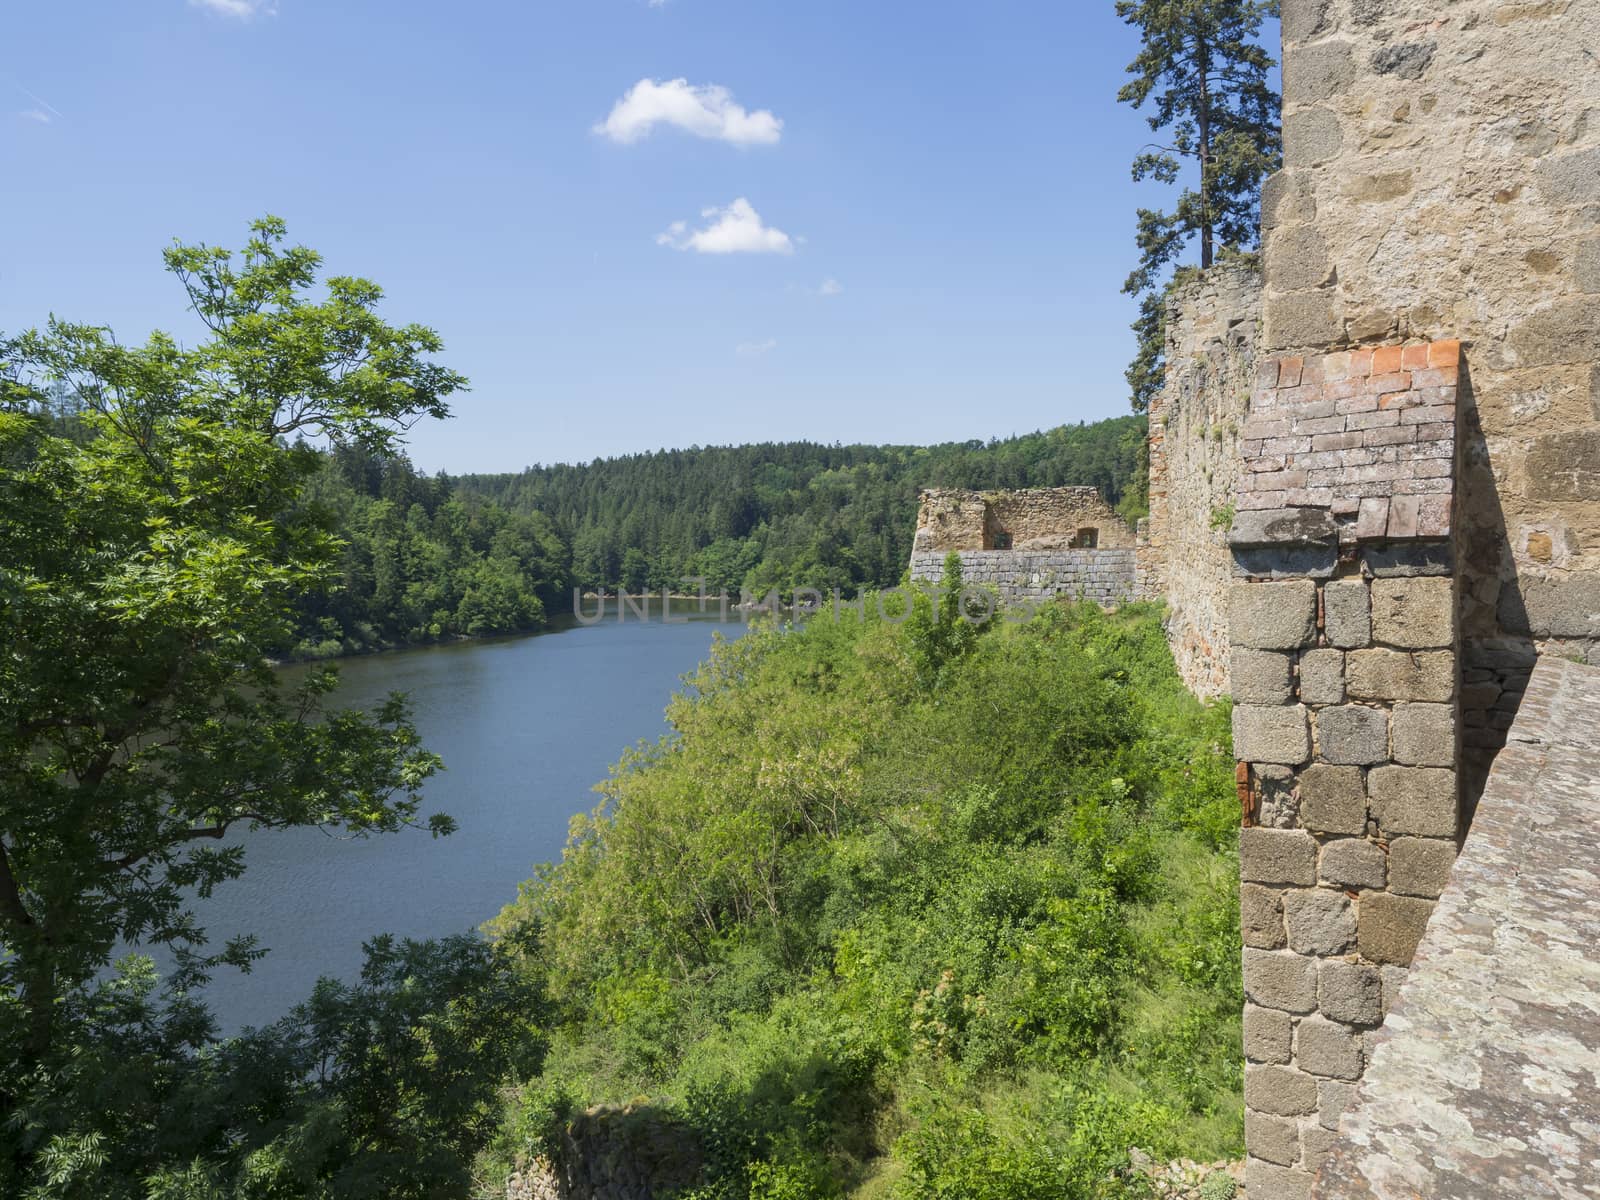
(707,112)
(755,349)
(36,114)
(830,287)
(242,9)
(736,229)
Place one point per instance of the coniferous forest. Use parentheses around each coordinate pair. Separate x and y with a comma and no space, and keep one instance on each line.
(431,557)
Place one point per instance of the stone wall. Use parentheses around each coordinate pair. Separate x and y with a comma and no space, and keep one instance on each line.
(1212,330)
(1029,519)
(1024,576)
(1482,1078)
(1345,681)
(1442,180)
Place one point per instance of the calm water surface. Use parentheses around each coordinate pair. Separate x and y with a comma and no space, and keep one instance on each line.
(525,726)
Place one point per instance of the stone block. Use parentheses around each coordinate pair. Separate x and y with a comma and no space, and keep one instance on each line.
(1268,1181)
(1317,72)
(1322,677)
(1424,734)
(1353,863)
(1420,866)
(1350,992)
(1399,675)
(1408,558)
(1319,921)
(1277,856)
(1285,527)
(1394,978)
(1316,1143)
(1333,1098)
(1260,676)
(1273,616)
(1299,318)
(1280,1091)
(1347,613)
(1327,1048)
(1310,136)
(1414,800)
(1271,734)
(1280,979)
(1261,916)
(1267,1035)
(1333,799)
(1414,614)
(1390,927)
(1275,1139)
(1277,797)
(1351,734)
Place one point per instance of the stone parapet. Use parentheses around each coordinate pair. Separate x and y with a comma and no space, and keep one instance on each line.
(1025,576)
(1342,618)
(1481,1081)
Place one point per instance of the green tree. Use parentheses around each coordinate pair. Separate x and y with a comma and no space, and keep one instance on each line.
(151,549)
(1205,75)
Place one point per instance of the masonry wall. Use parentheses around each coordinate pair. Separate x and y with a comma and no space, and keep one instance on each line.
(1442,180)
(1031,576)
(1345,678)
(1031,519)
(1213,328)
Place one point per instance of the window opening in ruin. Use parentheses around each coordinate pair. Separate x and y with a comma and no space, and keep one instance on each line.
(1087,539)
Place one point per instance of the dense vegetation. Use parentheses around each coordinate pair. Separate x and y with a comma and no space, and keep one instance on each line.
(424,558)
(906,911)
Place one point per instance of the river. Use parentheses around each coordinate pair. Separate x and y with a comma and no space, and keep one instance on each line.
(526,727)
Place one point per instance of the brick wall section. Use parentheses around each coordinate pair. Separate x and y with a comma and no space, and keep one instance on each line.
(1213,328)
(1342,617)
(1442,179)
(1029,576)
(1032,518)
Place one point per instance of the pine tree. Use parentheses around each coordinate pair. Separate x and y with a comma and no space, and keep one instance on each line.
(1206,76)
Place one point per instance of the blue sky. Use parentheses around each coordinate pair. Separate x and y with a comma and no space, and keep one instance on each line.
(936,210)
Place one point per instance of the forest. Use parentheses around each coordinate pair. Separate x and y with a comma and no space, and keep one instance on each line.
(424,558)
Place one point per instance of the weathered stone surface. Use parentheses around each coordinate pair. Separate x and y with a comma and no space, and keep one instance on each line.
(1319,921)
(1273,616)
(1557,607)
(1389,927)
(1424,734)
(1401,559)
(1261,915)
(1353,863)
(1464,1096)
(1350,992)
(1415,614)
(1327,1048)
(1333,1097)
(1317,72)
(1300,319)
(1277,856)
(1333,799)
(1413,800)
(1260,676)
(1420,866)
(1267,1035)
(1305,257)
(1282,527)
(1322,677)
(1311,136)
(1400,675)
(1271,734)
(1404,60)
(1303,19)
(1280,1091)
(1353,733)
(1280,979)
(1277,796)
(1275,1139)
(1268,1181)
(1347,613)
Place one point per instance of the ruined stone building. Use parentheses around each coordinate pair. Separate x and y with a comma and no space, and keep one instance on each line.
(1375,511)
(1031,545)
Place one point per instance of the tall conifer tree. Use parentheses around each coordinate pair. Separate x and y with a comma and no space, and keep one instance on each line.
(1205,75)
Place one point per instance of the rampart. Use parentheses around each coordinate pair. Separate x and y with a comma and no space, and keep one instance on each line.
(1213,327)
(1030,576)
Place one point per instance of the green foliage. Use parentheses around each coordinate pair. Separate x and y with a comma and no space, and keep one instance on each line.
(891,914)
(1204,73)
(788,515)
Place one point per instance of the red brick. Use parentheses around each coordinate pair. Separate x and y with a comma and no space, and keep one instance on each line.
(1414,357)
(1289,371)
(1358,404)
(1389,381)
(1403,516)
(1434,377)
(1360,363)
(1445,353)
(1373,518)
(1386,359)
(1389,435)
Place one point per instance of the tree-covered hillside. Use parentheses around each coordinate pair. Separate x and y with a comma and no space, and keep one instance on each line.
(905,911)
(793,513)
